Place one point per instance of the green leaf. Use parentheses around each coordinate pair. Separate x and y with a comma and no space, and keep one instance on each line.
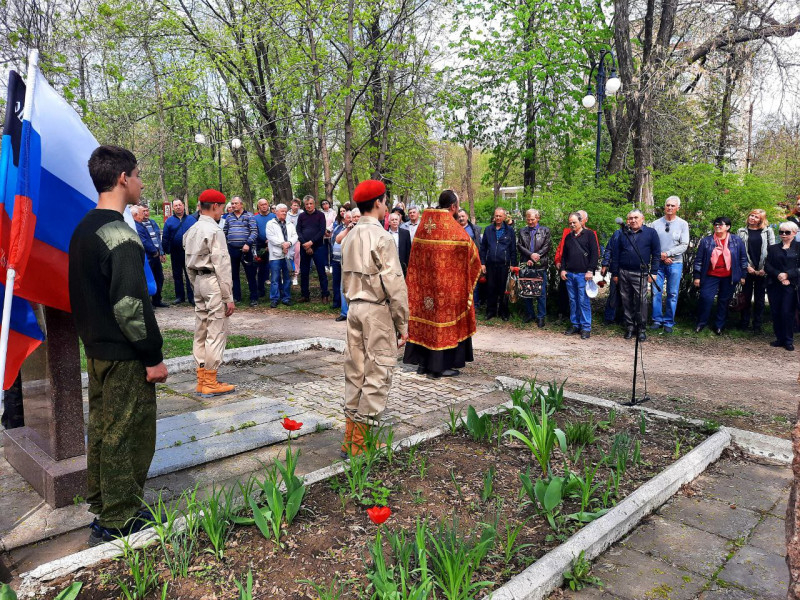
(293,504)
(552,497)
(260,519)
(71,592)
(6,593)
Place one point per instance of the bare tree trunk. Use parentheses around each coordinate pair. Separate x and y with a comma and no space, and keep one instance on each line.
(732,74)
(348,105)
(468,151)
(160,113)
(322,116)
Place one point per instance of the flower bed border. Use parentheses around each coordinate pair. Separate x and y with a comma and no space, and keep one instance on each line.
(546,574)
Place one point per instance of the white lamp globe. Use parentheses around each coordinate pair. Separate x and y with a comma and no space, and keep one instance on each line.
(236,143)
(588,101)
(613,85)
(199,138)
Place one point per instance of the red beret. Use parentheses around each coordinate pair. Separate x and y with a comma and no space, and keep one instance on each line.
(212,196)
(368,190)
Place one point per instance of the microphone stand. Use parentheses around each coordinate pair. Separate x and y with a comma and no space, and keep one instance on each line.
(644,270)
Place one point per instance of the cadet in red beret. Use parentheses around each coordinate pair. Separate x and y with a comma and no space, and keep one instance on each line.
(377,320)
(209,266)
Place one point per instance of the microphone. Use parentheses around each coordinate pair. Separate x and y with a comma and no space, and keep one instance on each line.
(620,221)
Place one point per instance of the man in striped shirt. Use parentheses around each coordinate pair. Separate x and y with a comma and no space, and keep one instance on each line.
(241,232)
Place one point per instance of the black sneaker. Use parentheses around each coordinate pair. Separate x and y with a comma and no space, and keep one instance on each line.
(101,535)
(253,302)
(273,304)
(571,330)
(642,336)
(655,326)
(540,322)
(628,333)
(585,335)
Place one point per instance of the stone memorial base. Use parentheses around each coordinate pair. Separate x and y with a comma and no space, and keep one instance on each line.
(57,481)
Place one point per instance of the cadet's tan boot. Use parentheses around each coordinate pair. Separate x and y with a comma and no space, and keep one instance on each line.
(358,444)
(201,377)
(348,437)
(212,387)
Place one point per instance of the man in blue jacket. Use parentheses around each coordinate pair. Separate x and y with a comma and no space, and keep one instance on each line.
(150,235)
(627,265)
(498,252)
(172,244)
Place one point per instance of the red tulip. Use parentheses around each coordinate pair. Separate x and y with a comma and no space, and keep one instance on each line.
(379,514)
(290,425)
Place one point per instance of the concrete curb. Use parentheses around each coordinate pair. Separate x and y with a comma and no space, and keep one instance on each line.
(546,574)
(181,364)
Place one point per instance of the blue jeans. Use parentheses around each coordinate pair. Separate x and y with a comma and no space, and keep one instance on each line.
(345,306)
(541,304)
(280,284)
(709,286)
(320,258)
(669,280)
(580,306)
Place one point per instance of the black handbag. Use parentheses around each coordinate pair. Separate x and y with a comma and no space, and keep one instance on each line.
(530,282)
(738,301)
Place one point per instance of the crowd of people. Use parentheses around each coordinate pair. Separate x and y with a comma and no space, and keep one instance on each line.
(278,246)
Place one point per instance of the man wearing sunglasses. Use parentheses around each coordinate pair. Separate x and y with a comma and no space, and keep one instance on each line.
(673,233)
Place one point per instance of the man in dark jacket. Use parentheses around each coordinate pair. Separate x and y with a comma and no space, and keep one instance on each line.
(150,236)
(533,245)
(498,252)
(172,244)
(311,226)
(473,231)
(402,238)
(627,265)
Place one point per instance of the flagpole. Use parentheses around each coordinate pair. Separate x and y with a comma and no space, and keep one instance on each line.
(11,274)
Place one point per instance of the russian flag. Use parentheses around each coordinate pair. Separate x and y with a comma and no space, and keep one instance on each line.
(54,192)
(24,334)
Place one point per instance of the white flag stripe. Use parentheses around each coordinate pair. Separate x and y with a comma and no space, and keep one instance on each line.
(66,142)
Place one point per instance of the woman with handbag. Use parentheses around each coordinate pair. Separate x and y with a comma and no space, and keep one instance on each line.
(533,245)
(720,263)
(783,271)
(757,238)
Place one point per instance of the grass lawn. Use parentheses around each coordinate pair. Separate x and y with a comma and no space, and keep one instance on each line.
(178,342)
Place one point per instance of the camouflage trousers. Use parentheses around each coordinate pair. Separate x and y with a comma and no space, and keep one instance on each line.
(122,438)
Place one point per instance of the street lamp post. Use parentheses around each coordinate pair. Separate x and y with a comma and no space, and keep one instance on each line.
(215,142)
(604,87)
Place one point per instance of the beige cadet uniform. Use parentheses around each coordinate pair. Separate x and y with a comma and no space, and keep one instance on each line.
(209,266)
(373,283)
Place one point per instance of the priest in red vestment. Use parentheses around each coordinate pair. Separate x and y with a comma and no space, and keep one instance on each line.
(442,272)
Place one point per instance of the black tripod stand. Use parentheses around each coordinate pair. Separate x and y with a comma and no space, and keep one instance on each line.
(638,325)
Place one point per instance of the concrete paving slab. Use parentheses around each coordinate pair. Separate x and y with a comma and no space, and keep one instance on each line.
(742,492)
(727,593)
(589,593)
(770,535)
(710,515)
(755,570)
(271,369)
(227,443)
(635,576)
(779,510)
(680,545)
(765,474)
(296,377)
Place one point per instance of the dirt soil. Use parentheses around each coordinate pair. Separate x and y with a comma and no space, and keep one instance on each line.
(439,480)
(737,380)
